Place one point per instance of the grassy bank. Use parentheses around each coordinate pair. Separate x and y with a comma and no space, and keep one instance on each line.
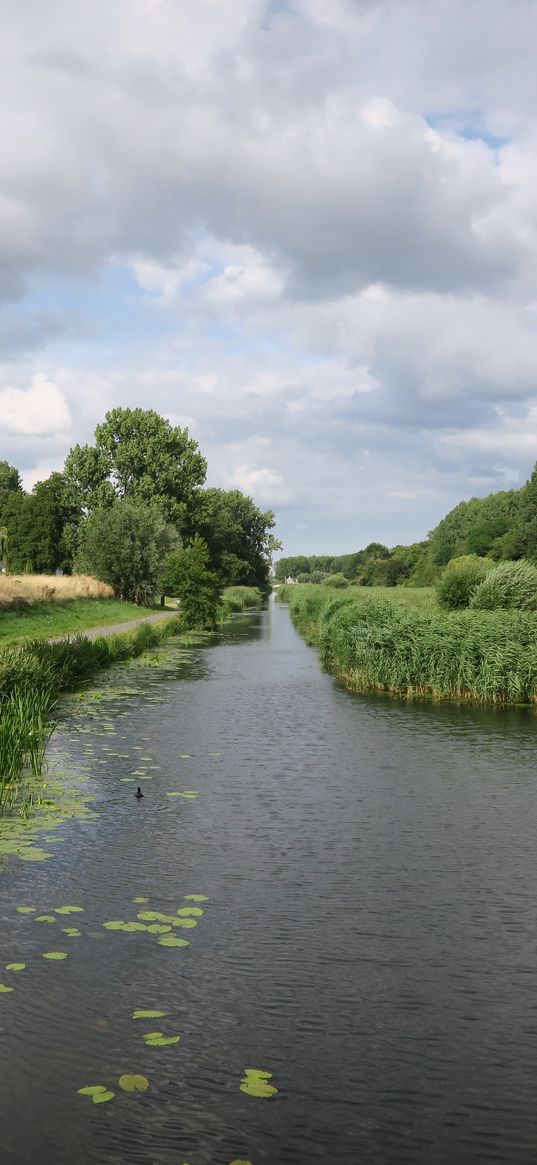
(31,679)
(381,644)
(237,599)
(49,620)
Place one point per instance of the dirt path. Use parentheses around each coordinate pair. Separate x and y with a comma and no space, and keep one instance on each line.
(117,628)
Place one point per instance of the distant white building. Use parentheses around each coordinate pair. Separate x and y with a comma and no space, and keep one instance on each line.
(291,581)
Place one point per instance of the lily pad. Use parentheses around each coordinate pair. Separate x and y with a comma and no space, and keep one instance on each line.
(188,911)
(102,1097)
(153,916)
(115,924)
(71,931)
(195,898)
(26,910)
(69,910)
(185,922)
(15,966)
(56,955)
(254,1083)
(171,940)
(139,900)
(135,1083)
(4,989)
(45,918)
(148,1014)
(159,1040)
(185,755)
(158,928)
(91,1090)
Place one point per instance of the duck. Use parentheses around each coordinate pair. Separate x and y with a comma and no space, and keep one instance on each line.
(138,794)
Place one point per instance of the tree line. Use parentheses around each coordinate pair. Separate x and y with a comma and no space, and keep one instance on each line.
(132,510)
(500,527)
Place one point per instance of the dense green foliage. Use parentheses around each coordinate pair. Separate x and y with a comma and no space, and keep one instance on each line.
(509,585)
(125,544)
(457,584)
(499,527)
(394,647)
(237,599)
(139,463)
(187,576)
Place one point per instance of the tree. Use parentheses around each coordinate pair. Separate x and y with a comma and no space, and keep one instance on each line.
(187,576)
(237,535)
(125,545)
(139,456)
(4,539)
(10,481)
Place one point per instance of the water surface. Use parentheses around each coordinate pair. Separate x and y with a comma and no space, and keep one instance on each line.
(369,937)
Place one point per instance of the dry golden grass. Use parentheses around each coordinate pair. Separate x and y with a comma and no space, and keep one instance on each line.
(37,588)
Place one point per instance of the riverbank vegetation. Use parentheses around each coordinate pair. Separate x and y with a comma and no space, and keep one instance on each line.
(50,620)
(25,589)
(381,644)
(126,505)
(498,528)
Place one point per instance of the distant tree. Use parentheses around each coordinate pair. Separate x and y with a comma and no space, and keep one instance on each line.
(138,456)
(125,544)
(4,539)
(10,481)
(186,575)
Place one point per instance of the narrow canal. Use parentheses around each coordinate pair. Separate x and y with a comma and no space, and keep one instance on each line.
(357,882)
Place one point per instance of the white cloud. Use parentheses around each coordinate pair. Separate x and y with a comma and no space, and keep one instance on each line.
(38,411)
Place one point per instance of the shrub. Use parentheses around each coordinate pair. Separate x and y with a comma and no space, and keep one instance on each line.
(336,580)
(508,585)
(459,581)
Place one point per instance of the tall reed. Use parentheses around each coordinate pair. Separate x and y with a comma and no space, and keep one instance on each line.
(488,656)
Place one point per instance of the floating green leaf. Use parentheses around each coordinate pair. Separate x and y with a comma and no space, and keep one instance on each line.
(91,1090)
(26,909)
(135,1083)
(15,966)
(185,755)
(195,898)
(71,931)
(45,918)
(4,990)
(153,916)
(140,900)
(254,1083)
(185,922)
(148,1014)
(56,955)
(159,1040)
(114,925)
(158,928)
(241,1162)
(102,1097)
(69,910)
(187,911)
(171,940)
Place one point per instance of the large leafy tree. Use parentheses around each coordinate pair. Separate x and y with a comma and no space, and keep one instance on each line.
(237,534)
(125,544)
(187,576)
(137,456)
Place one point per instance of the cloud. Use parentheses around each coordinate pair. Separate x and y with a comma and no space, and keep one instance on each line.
(306,228)
(38,411)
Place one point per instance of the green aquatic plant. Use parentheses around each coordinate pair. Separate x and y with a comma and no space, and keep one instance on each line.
(134,1083)
(4,989)
(159,1040)
(148,1014)
(15,966)
(45,918)
(26,910)
(68,909)
(255,1083)
(171,940)
(195,898)
(98,1093)
(186,911)
(55,956)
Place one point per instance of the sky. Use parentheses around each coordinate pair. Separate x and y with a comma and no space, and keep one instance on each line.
(305,229)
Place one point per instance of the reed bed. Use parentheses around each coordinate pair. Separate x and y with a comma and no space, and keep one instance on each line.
(34,588)
(380,645)
(237,599)
(31,679)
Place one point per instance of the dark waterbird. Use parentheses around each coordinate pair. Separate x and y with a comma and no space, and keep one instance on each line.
(138,794)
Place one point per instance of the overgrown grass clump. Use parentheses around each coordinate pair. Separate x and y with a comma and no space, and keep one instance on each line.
(381,645)
(237,599)
(511,585)
(31,679)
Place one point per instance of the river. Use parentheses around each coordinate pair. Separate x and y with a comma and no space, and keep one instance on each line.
(367,873)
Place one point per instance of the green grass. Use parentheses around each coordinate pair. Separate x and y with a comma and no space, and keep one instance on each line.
(237,599)
(50,620)
(381,644)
